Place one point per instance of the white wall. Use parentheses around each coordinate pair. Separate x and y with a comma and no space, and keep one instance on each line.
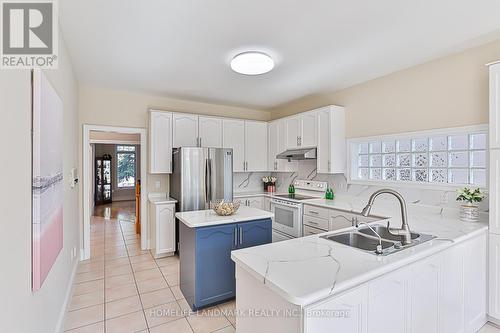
(22,311)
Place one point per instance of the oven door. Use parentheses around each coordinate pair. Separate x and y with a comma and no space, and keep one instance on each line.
(286,219)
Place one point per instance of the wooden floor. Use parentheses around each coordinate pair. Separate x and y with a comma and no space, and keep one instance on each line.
(120,210)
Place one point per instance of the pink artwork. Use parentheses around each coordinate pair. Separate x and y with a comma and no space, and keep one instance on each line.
(47,189)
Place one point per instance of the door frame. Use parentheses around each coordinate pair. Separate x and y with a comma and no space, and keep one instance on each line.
(87,183)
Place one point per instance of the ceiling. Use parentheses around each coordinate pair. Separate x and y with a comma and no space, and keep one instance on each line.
(182,48)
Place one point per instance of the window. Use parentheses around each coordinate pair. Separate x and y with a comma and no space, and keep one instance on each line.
(445,157)
(125,166)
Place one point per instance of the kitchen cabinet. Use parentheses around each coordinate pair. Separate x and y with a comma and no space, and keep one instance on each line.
(210,132)
(233,136)
(476,282)
(207,272)
(331,153)
(277,144)
(160,142)
(185,130)
(494,191)
(452,303)
(390,289)
(494,132)
(255,146)
(162,223)
(252,201)
(301,130)
(349,314)
(494,276)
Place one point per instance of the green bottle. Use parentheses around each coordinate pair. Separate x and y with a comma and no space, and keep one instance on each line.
(291,189)
(329,194)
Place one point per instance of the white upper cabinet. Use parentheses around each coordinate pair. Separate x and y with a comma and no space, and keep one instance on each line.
(293,132)
(495,106)
(210,132)
(332,155)
(494,191)
(185,130)
(160,142)
(309,123)
(255,146)
(273,148)
(233,136)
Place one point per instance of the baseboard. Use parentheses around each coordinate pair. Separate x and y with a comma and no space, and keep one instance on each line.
(494,321)
(69,294)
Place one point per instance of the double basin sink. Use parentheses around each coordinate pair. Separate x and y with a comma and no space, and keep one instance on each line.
(366,240)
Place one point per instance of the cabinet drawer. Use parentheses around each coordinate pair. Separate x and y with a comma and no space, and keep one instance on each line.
(308,231)
(340,220)
(320,212)
(316,222)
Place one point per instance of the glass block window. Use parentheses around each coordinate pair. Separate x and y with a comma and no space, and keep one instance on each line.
(454,158)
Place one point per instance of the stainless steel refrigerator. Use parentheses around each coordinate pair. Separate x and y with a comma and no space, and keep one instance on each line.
(201,175)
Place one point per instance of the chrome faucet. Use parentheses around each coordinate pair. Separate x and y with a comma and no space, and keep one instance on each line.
(405,229)
(379,249)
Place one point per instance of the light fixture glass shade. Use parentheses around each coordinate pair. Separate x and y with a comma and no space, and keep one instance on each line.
(252,63)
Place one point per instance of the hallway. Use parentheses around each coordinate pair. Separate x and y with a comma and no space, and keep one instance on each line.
(124,289)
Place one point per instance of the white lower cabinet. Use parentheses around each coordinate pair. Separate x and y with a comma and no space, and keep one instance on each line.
(162,223)
(255,202)
(347,313)
(494,277)
(444,293)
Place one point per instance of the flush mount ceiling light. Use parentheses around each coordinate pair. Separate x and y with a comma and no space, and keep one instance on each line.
(252,63)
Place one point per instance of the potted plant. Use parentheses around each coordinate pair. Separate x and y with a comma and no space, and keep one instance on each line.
(469,211)
(268,181)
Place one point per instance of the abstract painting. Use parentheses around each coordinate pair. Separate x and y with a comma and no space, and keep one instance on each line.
(47,186)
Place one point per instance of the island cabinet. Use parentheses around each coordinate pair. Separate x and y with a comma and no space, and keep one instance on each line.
(207,272)
(444,292)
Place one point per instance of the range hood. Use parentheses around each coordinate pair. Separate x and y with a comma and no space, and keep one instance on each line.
(298,154)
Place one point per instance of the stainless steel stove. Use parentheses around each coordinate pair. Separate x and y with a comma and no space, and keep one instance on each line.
(287,208)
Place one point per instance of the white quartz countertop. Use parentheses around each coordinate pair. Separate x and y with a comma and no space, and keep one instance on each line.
(308,269)
(160,198)
(203,218)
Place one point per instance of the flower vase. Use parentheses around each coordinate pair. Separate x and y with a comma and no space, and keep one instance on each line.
(469,213)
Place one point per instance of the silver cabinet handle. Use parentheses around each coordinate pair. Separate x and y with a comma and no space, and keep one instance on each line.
(243,166)
(329,167)
(241,235)
(235,236)
(314,223)
(313,212)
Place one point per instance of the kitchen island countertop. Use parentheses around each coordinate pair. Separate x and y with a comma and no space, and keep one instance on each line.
(204,218)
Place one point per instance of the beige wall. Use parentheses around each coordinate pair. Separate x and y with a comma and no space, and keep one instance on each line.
(447,92)
(23,311)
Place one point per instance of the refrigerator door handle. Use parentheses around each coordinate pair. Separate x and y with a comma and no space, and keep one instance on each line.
(207,181)
(209,169)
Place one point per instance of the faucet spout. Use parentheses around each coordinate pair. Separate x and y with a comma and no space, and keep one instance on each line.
(405,229)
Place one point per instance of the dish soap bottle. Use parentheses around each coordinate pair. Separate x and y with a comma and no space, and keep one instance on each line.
(329,194)
(291,189)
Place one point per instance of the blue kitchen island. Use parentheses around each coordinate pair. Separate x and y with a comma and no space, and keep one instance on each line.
(205,244)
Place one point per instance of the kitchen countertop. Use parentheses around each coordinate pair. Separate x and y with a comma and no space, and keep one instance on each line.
(160,198)
(308,269)
(203,218)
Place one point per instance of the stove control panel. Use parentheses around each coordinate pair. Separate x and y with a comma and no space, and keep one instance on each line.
(310,185)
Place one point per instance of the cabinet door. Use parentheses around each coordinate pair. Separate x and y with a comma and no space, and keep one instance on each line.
(293,129)
(340,220)
(494,195)
(233,136)
(185,129)
(284,165)
(160,142)
(165,229)
(214,268)
(256,202)
(254,233)
(495,106)
(323,153)
(388,291)
(210,132)
(338,144)
(494,277)
(424,296)
(273,135)
(451,297)
(349,314)
(309,130)
(255,146)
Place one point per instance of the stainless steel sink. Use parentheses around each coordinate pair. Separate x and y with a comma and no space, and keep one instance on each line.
(359,241)
(365,240)
(384,233)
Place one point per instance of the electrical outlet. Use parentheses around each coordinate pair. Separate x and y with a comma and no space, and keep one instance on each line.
(158,184)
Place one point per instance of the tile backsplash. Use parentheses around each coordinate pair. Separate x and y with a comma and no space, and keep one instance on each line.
(431,197)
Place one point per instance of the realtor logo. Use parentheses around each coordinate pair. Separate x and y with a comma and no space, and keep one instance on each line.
(29,34)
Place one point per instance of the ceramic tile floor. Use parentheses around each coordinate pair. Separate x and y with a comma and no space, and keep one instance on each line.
(123,289)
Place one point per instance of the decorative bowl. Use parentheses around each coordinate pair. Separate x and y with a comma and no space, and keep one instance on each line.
(224,208)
